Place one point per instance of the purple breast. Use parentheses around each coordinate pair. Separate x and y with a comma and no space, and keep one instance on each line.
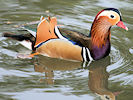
(100,52)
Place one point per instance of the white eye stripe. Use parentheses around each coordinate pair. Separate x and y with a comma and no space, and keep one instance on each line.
(108,13)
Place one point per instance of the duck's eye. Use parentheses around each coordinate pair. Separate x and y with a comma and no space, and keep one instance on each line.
(112,16)
(107,97)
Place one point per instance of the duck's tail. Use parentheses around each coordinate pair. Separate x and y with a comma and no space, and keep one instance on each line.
(27,37)
(26,40)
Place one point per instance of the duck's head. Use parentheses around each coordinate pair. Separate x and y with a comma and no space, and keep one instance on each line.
(112,16)
(109,96)
(104,20)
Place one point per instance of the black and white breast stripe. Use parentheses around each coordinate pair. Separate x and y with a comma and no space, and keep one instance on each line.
(86,54)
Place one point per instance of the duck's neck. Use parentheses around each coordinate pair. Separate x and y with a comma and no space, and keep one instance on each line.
(100,38)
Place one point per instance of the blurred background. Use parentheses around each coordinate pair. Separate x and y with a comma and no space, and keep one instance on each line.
(47,78)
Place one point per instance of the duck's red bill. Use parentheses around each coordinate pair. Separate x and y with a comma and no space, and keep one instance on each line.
(121,24)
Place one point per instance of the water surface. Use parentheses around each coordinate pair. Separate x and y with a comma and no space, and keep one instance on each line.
(45,78)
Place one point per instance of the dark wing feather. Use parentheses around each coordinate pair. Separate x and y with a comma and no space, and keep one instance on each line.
(80,38)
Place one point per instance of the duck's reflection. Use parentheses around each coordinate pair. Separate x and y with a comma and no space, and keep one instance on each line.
(49,65)
(98,79)
(98,76)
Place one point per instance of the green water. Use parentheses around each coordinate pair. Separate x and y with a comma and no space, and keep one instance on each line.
(43,78)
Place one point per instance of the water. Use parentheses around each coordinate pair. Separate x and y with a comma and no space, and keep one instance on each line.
(45,78)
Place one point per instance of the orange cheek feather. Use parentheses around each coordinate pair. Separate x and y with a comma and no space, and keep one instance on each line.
(113,21)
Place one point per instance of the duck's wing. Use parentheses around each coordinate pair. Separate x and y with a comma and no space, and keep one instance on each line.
(47,29)
(76,37)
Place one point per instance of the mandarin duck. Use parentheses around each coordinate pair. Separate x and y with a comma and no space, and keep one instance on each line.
(51,41)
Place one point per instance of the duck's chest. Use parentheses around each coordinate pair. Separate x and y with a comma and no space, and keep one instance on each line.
(100,52)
